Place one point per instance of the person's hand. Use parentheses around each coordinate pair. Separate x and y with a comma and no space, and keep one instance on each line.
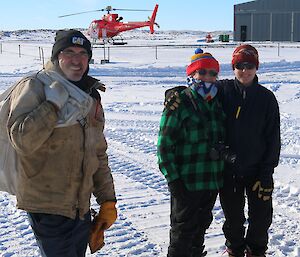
(105,218)
(56,94)
(107,215)
(177,189)
(264,190)
(173,101)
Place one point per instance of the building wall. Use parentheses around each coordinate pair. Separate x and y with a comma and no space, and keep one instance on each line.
(261,21)
(242,20)
(274,20)
(281,27)
(296,33)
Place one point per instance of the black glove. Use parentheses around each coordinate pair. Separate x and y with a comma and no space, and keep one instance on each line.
(172,102)
(264,187)
(177,189)
(172,99)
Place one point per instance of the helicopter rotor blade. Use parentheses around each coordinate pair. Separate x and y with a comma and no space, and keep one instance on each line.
(108,9)
(71,14)
(135,10)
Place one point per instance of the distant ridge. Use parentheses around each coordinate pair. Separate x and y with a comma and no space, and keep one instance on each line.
(47,35)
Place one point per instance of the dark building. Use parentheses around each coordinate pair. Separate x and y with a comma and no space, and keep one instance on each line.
(267,20)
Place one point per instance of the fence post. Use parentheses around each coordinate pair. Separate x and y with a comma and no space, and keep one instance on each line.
(156,52)
(42,55)
(104,55)
(278,51)
(19,50)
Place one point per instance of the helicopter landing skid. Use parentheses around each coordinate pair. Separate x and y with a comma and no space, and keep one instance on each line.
(117,41)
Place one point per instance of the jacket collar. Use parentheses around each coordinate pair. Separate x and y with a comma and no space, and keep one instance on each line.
(239,87)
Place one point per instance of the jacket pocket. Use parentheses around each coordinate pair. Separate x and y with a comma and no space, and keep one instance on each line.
(95,143)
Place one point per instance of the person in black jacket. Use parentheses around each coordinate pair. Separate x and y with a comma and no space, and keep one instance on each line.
(253,134)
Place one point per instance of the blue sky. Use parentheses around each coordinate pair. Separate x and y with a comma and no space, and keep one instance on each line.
(205,15)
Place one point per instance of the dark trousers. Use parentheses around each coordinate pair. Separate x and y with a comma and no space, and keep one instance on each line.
(232,197)
(190,217)
(59,236)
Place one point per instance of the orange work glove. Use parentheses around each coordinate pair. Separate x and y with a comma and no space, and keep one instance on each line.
(105,218)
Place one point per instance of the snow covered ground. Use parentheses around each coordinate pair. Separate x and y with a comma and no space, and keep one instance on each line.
(136,79)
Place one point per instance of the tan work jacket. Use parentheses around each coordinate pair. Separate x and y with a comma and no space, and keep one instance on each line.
(60,167)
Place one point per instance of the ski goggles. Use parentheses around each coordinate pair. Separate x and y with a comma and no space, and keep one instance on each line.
(211,73)
(244,66)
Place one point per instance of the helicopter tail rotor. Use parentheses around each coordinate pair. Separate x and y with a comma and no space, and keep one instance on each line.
(152,19)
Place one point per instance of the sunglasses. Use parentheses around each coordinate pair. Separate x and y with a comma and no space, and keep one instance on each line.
(211,73)
(244,65)
(70,54)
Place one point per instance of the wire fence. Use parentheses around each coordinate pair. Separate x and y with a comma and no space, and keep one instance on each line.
(105,51)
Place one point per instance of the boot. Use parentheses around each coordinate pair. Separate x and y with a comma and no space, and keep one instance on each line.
(249,253)
(231,254)
(198,251)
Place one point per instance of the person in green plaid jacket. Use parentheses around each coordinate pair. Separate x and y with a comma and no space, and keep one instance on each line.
(186,137)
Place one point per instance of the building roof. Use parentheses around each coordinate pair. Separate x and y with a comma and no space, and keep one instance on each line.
(269,5)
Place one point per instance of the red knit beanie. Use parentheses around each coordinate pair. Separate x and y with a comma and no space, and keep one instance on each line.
(200,61)
(245,53)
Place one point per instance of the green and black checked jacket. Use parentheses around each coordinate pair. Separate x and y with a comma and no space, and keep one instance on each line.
(185,138)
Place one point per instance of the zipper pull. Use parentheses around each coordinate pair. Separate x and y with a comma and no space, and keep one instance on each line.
(238,112)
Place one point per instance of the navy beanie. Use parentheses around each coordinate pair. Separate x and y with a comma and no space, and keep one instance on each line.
(67,38)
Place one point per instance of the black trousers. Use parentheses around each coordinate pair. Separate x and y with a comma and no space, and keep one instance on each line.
(59,236)
(191,215)
(233,198)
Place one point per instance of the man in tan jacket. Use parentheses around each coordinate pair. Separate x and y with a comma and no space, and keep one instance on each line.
(55,124)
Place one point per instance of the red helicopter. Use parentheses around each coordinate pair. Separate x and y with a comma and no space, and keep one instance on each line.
(110,25)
